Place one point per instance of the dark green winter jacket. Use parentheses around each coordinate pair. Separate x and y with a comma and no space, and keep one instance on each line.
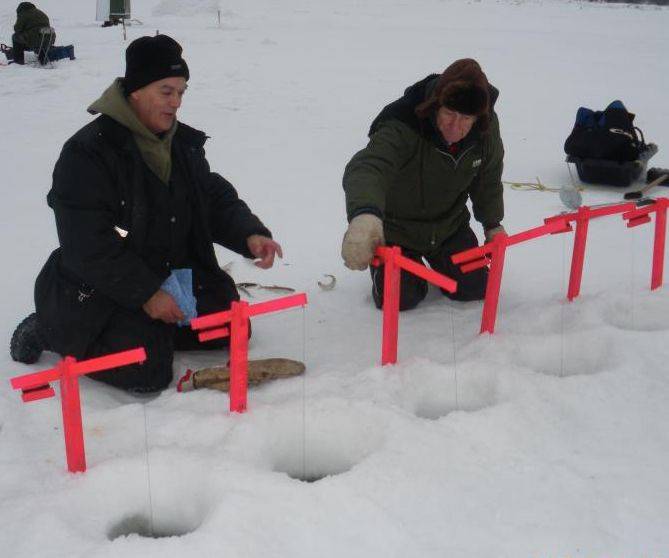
(406,176)
(29,21)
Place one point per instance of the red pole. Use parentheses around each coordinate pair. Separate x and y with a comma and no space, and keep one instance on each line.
(578,255)
(658,246)
(391,305)
(239,349)
(489,317)
(71,405)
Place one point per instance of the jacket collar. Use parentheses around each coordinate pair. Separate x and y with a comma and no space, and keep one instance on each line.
(121,137)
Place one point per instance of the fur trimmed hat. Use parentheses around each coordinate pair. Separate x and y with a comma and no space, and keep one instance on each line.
(150,59)
(462,87)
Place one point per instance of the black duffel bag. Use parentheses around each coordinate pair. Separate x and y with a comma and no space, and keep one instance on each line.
(609,134)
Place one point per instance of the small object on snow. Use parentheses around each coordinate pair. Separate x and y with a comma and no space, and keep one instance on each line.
(277,288)
(528,186)
(185,383)
(654,173)
(639,193)
(244,287)
(571,197)
(569,194)
(259,371)
(330,285)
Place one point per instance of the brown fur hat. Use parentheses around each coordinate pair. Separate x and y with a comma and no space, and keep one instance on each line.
(462,87)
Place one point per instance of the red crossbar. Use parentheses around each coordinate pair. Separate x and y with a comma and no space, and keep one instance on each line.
(220,318)
(536,232)
(429,275)
(37,393)
(123,358)
(299,299)
(593,212)
(36,379)
(474,257)
(211,320)
(215,333)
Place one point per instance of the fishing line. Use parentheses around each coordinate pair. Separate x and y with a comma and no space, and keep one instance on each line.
(564,303)
(148,469)
(455,364)
(304,395)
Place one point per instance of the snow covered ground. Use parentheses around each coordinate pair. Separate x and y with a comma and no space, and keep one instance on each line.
(548,438)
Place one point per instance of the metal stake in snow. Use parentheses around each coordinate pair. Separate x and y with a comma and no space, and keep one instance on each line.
(36,386)
(395,262)
(493,254)
(238,319)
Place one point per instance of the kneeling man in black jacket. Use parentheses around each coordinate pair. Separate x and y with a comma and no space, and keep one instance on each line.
(137,207)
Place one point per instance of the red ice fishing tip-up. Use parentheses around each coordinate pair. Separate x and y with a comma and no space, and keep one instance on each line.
(237,319)
(36,386)
(394,262)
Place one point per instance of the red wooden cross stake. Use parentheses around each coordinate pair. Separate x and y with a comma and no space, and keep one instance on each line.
(36,386)
(493,254)
(238,319)
(394,262)
(639,216)
(582,218)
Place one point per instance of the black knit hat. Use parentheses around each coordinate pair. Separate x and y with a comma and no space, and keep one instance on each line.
(150,59)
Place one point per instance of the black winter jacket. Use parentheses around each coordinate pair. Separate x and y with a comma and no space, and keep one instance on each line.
(100,186)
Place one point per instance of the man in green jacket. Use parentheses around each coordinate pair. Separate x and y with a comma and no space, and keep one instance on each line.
(30,33)
(429,152)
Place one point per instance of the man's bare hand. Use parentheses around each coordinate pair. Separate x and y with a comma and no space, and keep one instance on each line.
(264,249)
(161,306)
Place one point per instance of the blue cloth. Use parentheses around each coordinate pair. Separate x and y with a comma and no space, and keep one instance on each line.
(60,52)
(180,286)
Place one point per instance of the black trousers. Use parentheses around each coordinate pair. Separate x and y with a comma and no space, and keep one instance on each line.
(471,286)
(20,45)
(129,329)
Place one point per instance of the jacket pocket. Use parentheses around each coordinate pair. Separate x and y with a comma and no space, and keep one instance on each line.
(71,313)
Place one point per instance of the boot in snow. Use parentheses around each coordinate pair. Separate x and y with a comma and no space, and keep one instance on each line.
(27,341)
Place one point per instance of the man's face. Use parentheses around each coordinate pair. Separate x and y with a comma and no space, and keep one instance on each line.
(156,104)
(453,125)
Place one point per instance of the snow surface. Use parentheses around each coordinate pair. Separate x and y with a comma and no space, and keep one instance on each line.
(548,438)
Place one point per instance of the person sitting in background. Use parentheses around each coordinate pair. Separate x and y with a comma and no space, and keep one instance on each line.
(32,31)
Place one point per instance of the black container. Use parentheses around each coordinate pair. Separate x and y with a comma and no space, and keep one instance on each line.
(612,173)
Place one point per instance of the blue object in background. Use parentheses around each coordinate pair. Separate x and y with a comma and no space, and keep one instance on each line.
(180,286)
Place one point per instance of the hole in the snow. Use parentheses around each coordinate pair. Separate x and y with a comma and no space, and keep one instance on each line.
(142,526)
(328,448)
(309,477)
(476,389)
(572,354)
(647,312)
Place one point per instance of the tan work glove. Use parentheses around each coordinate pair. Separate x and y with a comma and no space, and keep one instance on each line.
(492,233)
(364,234)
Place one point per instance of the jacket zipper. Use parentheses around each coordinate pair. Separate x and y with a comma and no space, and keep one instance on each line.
(456,161)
